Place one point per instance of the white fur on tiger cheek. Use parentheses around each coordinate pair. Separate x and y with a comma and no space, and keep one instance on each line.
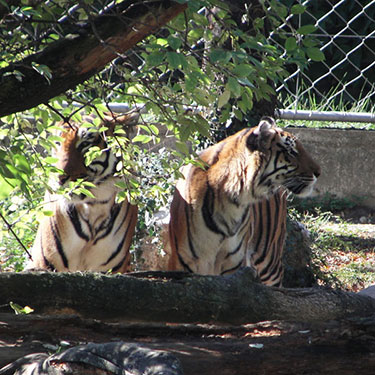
(307,191)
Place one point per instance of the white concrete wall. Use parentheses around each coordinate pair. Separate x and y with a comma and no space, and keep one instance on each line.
(347,160)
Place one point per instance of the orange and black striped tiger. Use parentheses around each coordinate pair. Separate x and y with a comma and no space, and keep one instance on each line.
(266,244)
(216,213)
(86,233)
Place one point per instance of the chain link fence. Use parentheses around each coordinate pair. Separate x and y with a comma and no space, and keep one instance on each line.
(345,80)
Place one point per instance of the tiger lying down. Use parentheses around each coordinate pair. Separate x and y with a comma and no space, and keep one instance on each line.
(87,233)
(219,212)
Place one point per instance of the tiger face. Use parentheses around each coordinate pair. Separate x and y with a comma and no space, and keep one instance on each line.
(71,155)
(77,141)
(287,164)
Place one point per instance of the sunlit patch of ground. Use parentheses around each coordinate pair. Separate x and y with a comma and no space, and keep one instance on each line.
(347,253)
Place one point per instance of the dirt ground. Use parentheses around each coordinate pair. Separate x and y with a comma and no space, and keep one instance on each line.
(346,347)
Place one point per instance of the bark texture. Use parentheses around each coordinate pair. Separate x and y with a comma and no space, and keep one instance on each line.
(74,60)
(175,297)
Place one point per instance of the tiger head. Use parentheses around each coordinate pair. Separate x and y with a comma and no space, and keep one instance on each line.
(77,141)
(284,160)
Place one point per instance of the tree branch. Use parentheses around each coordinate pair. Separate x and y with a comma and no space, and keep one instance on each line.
(72,61)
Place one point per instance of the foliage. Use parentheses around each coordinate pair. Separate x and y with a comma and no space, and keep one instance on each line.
(19,310)
(203,69)
(324,203)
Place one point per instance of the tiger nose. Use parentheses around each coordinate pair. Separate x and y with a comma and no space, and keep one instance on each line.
(317,172)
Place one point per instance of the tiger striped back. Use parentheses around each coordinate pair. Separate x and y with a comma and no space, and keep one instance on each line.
(86,233)
(212,227)
(266,244)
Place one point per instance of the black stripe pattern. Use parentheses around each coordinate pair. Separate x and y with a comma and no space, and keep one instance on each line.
(232,212)
(86,233)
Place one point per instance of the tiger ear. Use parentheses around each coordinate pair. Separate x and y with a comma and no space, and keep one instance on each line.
(261,137)
(127,121)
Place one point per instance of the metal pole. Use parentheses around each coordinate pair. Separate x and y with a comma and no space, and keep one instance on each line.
(290,114)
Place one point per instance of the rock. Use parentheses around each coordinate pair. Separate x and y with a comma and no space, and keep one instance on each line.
(370,291)
(108,358)
(297,257)
(363,220)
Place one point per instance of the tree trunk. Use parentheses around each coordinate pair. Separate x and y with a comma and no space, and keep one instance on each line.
(72,61)
(175,297)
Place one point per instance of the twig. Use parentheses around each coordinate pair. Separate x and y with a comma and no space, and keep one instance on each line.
(15,235)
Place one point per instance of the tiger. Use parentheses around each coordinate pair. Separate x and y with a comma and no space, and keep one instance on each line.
(215,214)
(266,244)
(86,232)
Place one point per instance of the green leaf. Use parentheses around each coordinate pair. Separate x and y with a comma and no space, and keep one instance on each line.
(174,42)
(306,29)
(6,187)
(22,164)
(19,310)
(191,82)
(202,126)
(243,70)
(185,131)
(176,60)
(220,55)
(85,192)
(145,128)
(309,42)
(201,96)
(238,114)
(233,86)
(121,185)
(223,98)
(155,58)
(142,138)
(245,82)
(297,9)
(154,129)
(43,70)
(200,19)
(315,54)
(290,44)
(55,138)
(182,147)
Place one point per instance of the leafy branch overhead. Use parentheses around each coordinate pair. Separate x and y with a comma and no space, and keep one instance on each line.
(194,68)
(75,55)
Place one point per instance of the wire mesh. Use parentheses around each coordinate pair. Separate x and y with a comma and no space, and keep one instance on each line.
(345,79)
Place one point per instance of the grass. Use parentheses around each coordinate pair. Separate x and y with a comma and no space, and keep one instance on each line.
(311,103)
(342,250)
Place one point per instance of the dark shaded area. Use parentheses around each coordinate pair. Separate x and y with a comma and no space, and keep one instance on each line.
(336,347)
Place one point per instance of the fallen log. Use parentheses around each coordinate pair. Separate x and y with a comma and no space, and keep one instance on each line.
(176,297)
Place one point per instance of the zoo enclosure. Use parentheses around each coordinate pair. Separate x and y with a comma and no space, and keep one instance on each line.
(345,30)
(345,79)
